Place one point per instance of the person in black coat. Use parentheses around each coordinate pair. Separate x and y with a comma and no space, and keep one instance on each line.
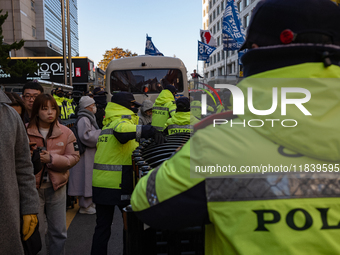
(101,102)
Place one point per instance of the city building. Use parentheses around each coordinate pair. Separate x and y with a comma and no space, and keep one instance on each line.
(38,22)
(223,66)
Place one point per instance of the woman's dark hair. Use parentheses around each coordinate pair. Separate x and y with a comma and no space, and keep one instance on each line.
(17,101)
(40,102)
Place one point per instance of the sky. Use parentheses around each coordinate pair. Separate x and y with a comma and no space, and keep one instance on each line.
(174,26)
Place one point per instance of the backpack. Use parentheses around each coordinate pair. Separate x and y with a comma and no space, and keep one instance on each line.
(80,146)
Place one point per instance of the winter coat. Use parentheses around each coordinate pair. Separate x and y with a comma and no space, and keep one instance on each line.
(61,146)
(18,194)
(80,181)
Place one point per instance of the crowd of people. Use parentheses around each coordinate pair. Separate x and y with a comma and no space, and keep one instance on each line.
(39,155)
(53,160)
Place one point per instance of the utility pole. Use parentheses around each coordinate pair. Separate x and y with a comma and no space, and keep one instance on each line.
(64,39)
(69,40)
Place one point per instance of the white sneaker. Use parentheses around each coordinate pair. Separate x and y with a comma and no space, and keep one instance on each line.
(88,210)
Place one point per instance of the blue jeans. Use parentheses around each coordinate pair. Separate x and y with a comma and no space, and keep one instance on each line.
(52,211)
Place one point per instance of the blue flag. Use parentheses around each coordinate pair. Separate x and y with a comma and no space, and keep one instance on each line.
(204,51)
(150,49)
(232,29)
(240,54)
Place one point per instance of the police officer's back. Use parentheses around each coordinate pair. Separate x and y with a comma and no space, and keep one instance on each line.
(256,181)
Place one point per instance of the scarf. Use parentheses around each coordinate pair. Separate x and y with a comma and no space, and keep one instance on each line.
(90,115)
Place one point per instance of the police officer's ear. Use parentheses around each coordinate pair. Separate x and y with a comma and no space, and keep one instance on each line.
(254,46)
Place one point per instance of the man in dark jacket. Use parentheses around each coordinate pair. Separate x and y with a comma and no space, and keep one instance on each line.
(101,102)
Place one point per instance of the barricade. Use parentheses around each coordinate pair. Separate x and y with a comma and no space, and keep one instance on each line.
(142,239)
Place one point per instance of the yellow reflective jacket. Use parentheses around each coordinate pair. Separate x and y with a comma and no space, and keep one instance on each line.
(63,106)
(112,170)
(220,177)
(181,122)
(163,109)
(195,108)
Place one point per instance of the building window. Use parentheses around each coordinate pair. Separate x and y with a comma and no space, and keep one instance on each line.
(218,57)
(210,5)
(212,73)
(218,10)
(204,25)
(214,29)
(246,3)
(220,71)
(210,18)
(207,9)
(222,53)
(222,6)
(214,1)
(239,6)
(218,41)
(32,5)
(33,32)
(218,26)
(214,59)
(203,13)
(214,15)
(246,21)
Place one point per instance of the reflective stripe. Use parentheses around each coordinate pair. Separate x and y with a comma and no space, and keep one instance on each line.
(107,167)
(158,128)
(151,194)
(160,108)
(138,132)
(126,117)
(118,124)
(181,127)
(273,187)
(107,132)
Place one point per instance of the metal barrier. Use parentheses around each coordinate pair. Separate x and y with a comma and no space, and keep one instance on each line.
(142,239)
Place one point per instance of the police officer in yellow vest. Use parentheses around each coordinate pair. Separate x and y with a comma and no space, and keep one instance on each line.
(182,121)
(264,182)
(196,109)
(112,171)
(62,103)
(164,107)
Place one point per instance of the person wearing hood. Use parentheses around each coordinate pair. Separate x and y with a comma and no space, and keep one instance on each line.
(164,107)
(182,121)
(145,115)
(112,181)
(99,95)
(80,180)
(264,181)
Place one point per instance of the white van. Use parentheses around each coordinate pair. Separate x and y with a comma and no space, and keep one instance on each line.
(145,76)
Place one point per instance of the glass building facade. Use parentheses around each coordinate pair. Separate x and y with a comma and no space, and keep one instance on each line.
(53,28)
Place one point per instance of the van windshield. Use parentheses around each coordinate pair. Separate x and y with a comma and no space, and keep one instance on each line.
(145,81)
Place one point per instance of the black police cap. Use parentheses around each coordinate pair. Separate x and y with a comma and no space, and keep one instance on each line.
(276,22)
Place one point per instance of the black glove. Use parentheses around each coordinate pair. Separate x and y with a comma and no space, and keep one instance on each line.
(159,137)
(148,131)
